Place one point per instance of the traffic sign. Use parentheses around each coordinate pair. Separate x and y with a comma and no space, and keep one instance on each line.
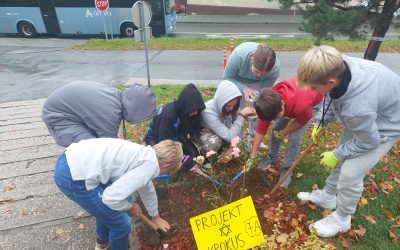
(143,34)
(141,14)
(101,5)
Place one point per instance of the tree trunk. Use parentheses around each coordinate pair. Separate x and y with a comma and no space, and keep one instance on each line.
(382,25)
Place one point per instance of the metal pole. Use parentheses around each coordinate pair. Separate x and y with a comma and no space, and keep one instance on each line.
(111,26)
(141,15)
(104,24)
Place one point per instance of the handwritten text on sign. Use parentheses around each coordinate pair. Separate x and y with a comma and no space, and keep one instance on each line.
(234,226)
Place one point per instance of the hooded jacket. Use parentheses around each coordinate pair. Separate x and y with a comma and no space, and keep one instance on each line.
(369,109)
(83,110)
(127,168)
(172,120)
(225,126)
(238,69)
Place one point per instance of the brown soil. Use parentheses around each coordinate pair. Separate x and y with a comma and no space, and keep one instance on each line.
(194,195)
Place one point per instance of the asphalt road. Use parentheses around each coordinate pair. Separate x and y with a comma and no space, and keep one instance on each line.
(32,68)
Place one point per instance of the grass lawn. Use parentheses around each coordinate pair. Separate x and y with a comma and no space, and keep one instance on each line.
(378,212)
(191,43)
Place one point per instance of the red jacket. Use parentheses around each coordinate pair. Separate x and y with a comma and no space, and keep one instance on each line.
(298,103)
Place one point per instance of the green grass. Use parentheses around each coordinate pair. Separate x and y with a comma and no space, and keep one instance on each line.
(192,43)
(377,236)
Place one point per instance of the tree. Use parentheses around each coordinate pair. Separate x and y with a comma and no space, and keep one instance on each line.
(326,18)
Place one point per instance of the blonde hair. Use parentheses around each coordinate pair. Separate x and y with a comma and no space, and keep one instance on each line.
(264,57)
(318,65)
(169,152)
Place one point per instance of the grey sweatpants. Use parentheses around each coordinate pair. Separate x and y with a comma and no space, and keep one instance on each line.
(293,146)
(346,180)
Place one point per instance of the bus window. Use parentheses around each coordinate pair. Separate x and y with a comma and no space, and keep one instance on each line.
(29,17)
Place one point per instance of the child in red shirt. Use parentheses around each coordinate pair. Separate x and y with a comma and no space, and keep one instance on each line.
(292,109)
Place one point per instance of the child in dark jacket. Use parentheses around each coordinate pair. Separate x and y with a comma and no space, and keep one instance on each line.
(179,120)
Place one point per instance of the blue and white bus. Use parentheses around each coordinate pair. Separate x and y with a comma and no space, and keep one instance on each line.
(32,17)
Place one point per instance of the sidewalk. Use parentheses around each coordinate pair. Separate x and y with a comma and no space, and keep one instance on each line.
(34,214)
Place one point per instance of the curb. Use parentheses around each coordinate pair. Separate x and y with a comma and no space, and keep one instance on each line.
(250,19)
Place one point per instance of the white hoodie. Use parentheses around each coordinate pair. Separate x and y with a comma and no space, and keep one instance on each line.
(129,167)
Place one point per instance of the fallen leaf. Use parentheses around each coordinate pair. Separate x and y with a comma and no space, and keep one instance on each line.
(370,219)
(386,186)
(397,180)
(389,214)
(326,212)
(360,231)
(259,200)
(302,217)
(363,202)
(282,238)
(392,235)
(298,175)
(269,215)
(59,231)
(10,188)
(343,240)
(294,222)
(312,206)
(353,234)
(273,171)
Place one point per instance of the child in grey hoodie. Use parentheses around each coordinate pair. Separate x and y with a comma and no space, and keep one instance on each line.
(364,97)
(222,116)
(83,110)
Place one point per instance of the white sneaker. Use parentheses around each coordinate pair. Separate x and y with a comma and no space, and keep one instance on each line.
(331,225)
(320,198)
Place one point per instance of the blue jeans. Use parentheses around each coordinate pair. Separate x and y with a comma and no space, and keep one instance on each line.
(111,226)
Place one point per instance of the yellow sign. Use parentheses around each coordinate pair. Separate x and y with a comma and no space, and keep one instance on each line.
(234,226)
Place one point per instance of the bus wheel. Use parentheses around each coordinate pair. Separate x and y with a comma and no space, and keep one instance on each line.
(26,29)
(128,29)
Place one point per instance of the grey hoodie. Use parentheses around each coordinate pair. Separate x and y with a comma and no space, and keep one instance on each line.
(82,110)
(225,126)
(370,108)
(238,69)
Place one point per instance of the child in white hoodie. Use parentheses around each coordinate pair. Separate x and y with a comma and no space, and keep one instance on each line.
(101,175)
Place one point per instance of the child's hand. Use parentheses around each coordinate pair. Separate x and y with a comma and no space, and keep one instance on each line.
(135,210)
(329,160)
(248,111)
(161,223)
(249,164)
